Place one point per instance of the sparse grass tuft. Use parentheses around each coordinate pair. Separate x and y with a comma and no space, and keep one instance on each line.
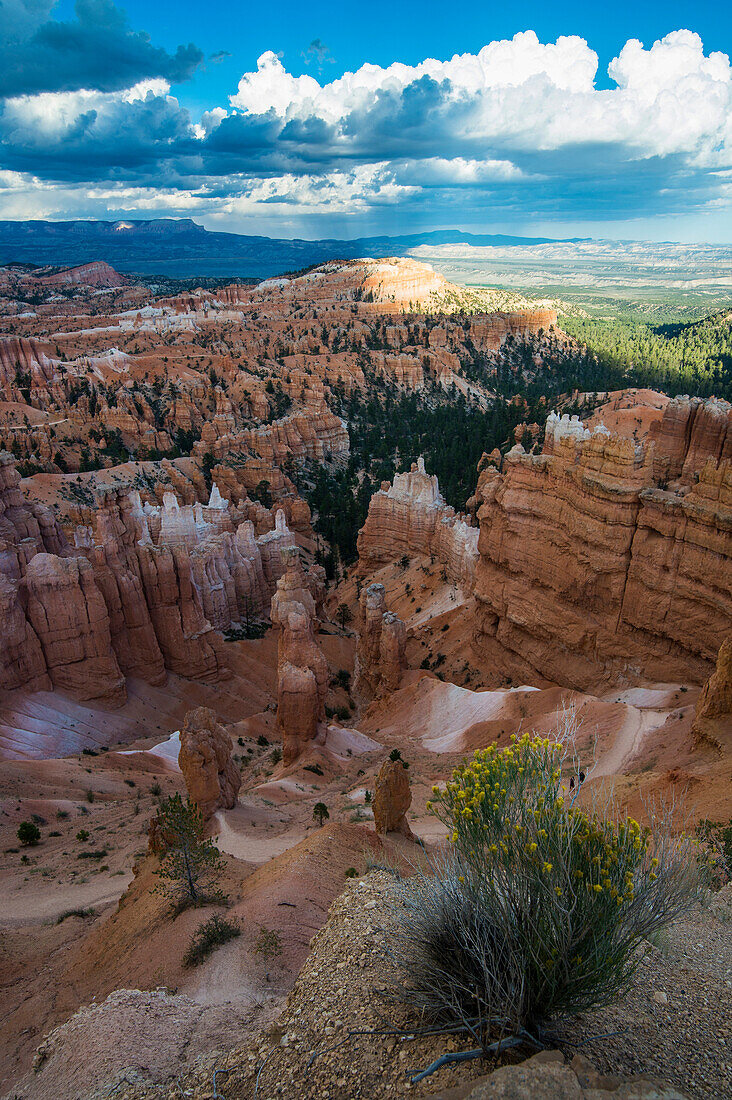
(210,935)
(90,912)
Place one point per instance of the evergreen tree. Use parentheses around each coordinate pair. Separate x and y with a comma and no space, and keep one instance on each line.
(190,864)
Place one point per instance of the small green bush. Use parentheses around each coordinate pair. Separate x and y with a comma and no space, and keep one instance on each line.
(351,872)
(209,935)
(268,945)
(90,912)
(96,853)
(28,833)
(343,679)
(82,836)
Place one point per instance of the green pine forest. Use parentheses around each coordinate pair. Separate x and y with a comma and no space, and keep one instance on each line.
(389,429)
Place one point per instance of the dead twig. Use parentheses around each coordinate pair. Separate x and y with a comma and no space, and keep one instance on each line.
(467,1056)
(223,1073)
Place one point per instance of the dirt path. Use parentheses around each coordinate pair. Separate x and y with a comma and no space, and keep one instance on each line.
(628,740)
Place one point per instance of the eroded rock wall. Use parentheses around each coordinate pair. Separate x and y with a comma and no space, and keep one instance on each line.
(80,619)
(593,574)
(410,516)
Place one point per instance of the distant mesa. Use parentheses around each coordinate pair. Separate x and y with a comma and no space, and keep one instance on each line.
(180,247)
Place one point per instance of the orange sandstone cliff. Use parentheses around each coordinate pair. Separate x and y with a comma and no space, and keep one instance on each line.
(593,573)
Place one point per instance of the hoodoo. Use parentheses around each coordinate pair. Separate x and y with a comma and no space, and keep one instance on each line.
(392,799)
(381,650)
(212,778)
(410,515)
(302,670)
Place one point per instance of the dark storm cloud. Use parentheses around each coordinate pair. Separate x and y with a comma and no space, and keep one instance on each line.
(96,50)
(107,139)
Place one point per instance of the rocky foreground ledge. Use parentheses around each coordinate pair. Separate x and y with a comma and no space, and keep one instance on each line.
(669,1039)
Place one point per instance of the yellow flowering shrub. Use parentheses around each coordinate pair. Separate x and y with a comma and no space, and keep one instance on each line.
(508,805)
(537,907)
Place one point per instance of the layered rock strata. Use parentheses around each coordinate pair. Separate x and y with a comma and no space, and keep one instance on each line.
(69,617)
(392,799)
(691,432)
(302,669)
(410,516)
(382,642)
(205,759)
(590,572)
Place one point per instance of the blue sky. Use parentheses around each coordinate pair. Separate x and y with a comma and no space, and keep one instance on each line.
(324,119)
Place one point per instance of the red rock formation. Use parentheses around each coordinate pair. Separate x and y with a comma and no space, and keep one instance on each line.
(116,566)
(96,274)
(117,603)
(691,431)
(25,521)
(188,644)
(302,668)
(392,651)
(319,437)
(381,649)
(593,575)
(629,413)
(22,663)
(410,516)
(392,799)
(212,777)
(68,614)
(713,714)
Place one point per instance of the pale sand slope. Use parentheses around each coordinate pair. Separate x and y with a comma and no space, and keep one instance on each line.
(445,718)
(49,724)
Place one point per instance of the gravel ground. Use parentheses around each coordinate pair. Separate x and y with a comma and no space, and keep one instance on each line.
(675,1024)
